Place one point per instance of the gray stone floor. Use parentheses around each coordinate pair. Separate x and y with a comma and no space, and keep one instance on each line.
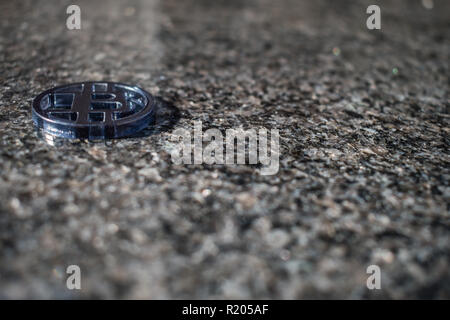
(364,169)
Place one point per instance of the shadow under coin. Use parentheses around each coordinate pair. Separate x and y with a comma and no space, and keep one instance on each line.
(166,116)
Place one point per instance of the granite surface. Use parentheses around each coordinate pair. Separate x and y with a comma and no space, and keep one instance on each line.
(364,171)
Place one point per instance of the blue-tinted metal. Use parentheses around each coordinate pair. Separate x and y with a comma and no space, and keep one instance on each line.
(93,110)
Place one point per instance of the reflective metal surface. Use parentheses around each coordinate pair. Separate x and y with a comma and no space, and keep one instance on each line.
(93,110)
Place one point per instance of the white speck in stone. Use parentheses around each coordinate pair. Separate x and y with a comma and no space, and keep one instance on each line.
(285,255)
(206,192)
(277,239)
(150,173)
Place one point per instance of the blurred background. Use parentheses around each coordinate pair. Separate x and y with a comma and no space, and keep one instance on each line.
(363,117)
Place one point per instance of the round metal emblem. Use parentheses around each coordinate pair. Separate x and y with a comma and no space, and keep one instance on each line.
(93,110)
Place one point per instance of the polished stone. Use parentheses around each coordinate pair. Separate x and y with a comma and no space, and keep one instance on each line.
(364,173)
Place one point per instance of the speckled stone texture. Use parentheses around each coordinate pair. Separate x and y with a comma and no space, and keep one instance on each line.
(364,141)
